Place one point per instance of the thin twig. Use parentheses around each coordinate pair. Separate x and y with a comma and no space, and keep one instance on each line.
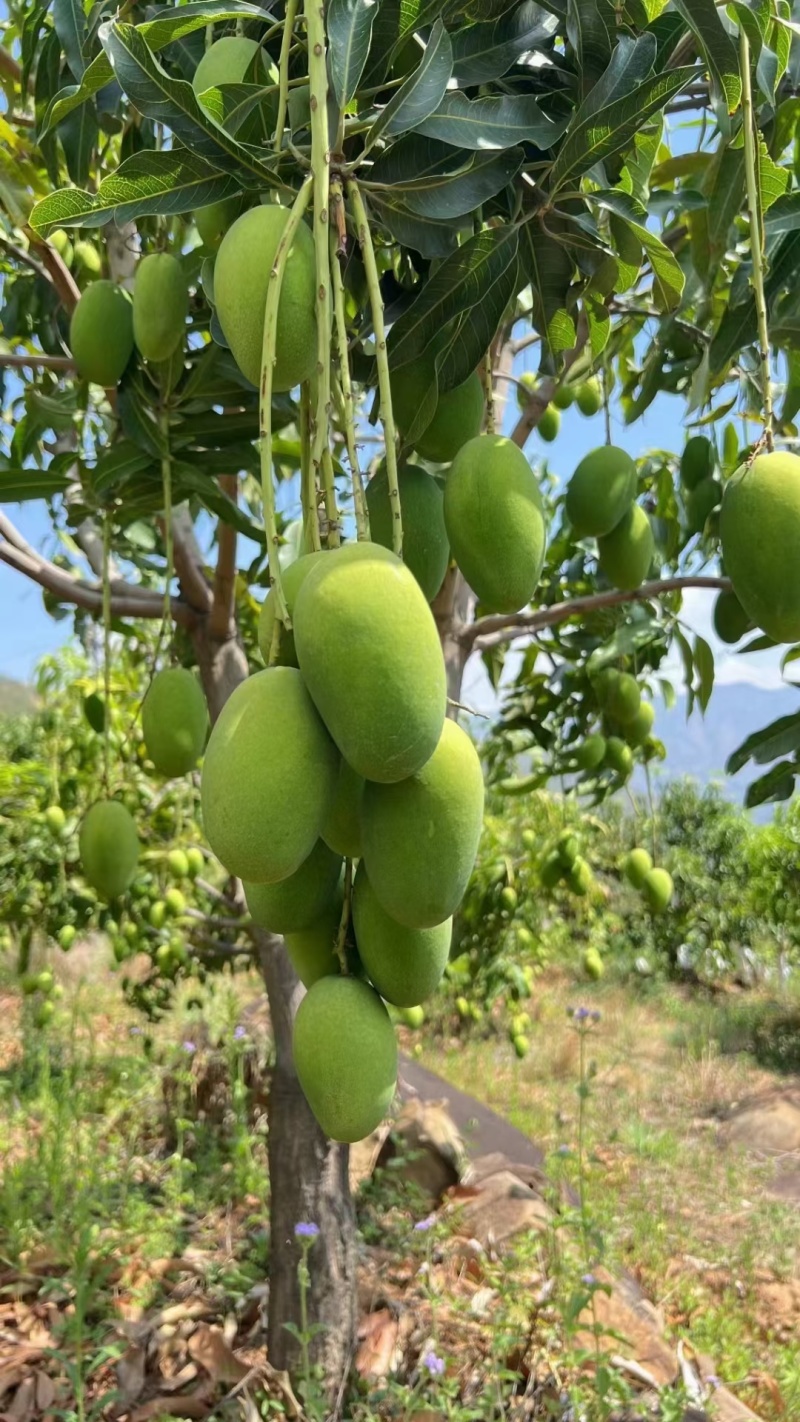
(756,233)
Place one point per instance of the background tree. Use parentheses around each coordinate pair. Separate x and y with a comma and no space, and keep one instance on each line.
(490,174)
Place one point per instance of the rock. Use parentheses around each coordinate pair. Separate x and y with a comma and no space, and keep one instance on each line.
(497,1209)
(770,1125)
(426,1147)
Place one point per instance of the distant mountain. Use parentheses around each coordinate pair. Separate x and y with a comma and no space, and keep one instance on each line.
(15,697)
(700,746)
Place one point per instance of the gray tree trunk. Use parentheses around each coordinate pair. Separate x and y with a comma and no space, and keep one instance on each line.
(308,1174)
(453,608)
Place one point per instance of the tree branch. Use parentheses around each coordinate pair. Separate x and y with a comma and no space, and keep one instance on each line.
(38,362)
(498,628)
(57,270)
(126,600)
(540,397)
(221,622)
(189,563)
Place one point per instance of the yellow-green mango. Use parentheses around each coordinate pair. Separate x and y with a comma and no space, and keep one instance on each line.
(589,396)
(549,423)
(700,503)
(109,848)
(601,490)
(228,60)
(619,695)
(657,889)
(619,757)
(370,655)
(589,754)
(457,417)
(405,964)
(241,279)
(760,533)
(420,837)
(637,731)
(213,220)
(345,1056)
(101,333)
(160,306)
(580,877)
(494,517)
(426,550)
(697,461)
(297,902)
(313,949)
(342,828)
(731,622)
(636,866)
(592,964)
(626,553)
(292,579)
(268,777)
(174,721)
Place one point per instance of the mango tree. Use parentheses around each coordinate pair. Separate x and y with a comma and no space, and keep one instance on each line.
(343,224)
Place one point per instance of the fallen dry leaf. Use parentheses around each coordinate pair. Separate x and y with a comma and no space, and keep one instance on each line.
(45,1392)
(130,1375)
(377,1335)
(193,1404)
(24,1404)
(208,1348)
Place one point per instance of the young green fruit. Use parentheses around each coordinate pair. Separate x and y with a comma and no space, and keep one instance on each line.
(109,848)
(313,949)
(580,877)
(292,579)
(528,839)
(462,1008)
(551,871)
(196,861)
(591,752)
(564,397)
(101,333)
(405,964)
(700,503)
(55,819)
(626,553)
(157,915)
(601,490)
(420,837)
(589,396)
(619,757)
(268,777)
(760,533)
(413,1017)
(213,221)
(657,889)
(178,864)
(636,866)
(620,695)
(567,848)
(228,61)
(508,899)
(521,1045)
(426,550)
(160,306)
(592,964)
(66,936)
(494,517)
(241,280)
(300,900)
(456,418)
(697,461)
(549,423)
(370,655)
(345,1055)
(174,721)
(637,731)
(731,622)
(175,902)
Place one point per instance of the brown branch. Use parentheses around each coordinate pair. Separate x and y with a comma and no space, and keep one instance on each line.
(9,66)
(126,600)
(56,269)
(38,362)
(189,563)
(540,397)
(498,628)
(222,620)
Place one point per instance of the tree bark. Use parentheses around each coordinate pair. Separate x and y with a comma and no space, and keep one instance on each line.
(453,608)
(308,1174)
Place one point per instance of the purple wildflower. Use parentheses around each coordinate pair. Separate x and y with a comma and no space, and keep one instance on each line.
(713,1381)
(239,1032)
(596,1016)
(427,1223)
(434,1365)
(135,1031)
(564,1150)
(581,1014)
(306,1230)
(189,1048)
(589,1280)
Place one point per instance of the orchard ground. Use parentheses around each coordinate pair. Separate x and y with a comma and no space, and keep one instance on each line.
(134,1181)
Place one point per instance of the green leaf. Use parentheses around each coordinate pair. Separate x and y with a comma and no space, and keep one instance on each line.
(150,184)
(723,187)
(19,485)
(430,239)
(772,179)
(547,264)
(471,289)
(479,177)
(719,49)
(591,26)
(600,135)
(422,92)
(784,215)
(173,102)
(349,33)
(175,25)
(781,737)
(122,460)
(70,25)
(777,784)
(668,277)
(739,327)
(485,52)
(191,481)
(78,134)
(499,122)
(704,666)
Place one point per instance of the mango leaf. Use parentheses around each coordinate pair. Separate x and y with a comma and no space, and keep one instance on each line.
(784,215)
(718,48)
(499,122)
(781,737)
(19,485)
(122,460)
(723,186)
(704,667)
(630,64)
(429,238)
(176,24)
(777,784)
(78,134)
(472,289)
(485,52)
(547,265)
(172,101)
(591,26)
(739,327)
(69,19)
(149,184)
(461,193)
(591,139)
(188,480)
(349,33)
(668,277)
(772,179)
(422,92)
